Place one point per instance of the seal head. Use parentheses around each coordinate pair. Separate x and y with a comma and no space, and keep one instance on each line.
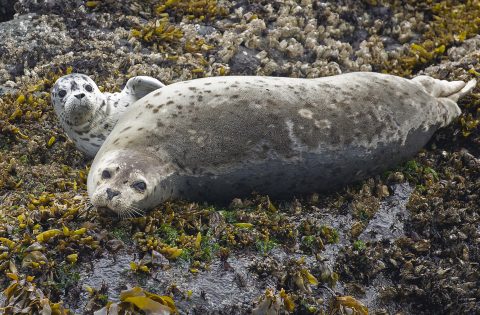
(87,115)
(126,182)
(74,99)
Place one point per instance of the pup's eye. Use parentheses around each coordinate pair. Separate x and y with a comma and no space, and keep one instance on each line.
(89,88)
(62,93)
(140,186)
(106,174)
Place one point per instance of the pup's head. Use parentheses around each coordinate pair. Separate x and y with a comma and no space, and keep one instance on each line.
(75,98)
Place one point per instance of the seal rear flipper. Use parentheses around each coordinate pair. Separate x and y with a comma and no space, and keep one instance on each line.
(464,91)
(447,94)
(445,89)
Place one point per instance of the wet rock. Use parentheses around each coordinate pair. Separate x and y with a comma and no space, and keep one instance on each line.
(159,260)
(6,10)
(205,29)
(6,90)
(388,222)
(245,61)
(115,245)
(48,6)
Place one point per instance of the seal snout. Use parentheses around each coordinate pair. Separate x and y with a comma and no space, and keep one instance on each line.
(80,96)
(112,193)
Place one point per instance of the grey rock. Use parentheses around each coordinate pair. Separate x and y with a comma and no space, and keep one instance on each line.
(245,61)
(6,10)
(205,29)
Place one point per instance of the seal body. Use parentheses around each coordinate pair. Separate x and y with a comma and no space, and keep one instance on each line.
(88,115)
(224,137)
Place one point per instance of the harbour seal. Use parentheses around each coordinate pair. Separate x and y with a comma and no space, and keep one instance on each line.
(88,115)
(216,138)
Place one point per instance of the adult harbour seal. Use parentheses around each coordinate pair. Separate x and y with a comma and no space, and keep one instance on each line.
(88,115)
(221,137)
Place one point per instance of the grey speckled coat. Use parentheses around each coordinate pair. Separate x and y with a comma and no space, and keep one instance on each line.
(222,137)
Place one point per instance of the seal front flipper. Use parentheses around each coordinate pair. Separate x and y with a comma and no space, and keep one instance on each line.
(142,85)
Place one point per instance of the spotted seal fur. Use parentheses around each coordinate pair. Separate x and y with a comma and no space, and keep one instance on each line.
(88,115)
(223,137)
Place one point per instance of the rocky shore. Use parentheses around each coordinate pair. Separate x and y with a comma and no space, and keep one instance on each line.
(406,242)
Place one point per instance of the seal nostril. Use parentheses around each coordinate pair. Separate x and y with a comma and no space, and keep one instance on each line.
(112,193)
(80,96)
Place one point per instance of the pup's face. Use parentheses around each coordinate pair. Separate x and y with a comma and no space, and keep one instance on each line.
(75,98)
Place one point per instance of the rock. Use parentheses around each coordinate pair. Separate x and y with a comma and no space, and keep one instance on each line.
(6,10)
(115,245)
(245,61)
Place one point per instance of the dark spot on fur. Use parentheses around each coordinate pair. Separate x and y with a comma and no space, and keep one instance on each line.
(155,110)
(179,106)
(235,96)
(200,98)
(160,124)
(208,83)
(125,129)
(141,128)
(192,88)
(158,93)
(170,102)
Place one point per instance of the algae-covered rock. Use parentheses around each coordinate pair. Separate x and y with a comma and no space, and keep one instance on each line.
(406,241)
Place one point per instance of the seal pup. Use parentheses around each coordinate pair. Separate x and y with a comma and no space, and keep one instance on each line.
(216,138)
(88,115)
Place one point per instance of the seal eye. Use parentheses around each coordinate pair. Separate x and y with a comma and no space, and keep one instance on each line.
(62,93)
(106,174)
(140,186)
(89,88)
